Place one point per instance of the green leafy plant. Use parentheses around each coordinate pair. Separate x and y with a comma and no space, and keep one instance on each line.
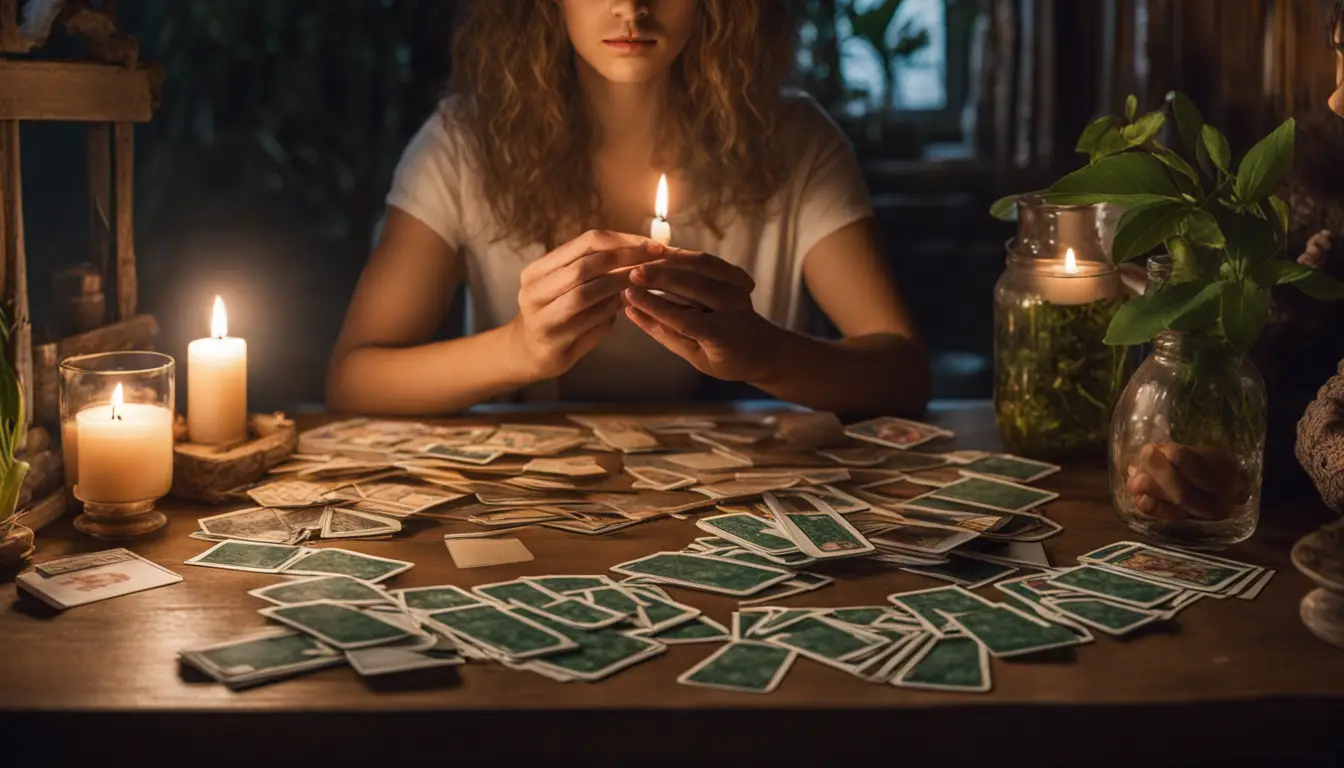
(1224,227)
(873,26)
(12,470)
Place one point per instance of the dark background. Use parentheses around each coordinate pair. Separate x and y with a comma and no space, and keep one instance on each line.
(262,175)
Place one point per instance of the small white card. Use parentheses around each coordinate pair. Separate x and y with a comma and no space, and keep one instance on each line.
(100,582)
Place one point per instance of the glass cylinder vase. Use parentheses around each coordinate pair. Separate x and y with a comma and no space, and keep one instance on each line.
(117,412)
(1192,419)
(1055,379)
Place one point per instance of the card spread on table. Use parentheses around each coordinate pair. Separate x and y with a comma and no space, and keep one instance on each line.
(337,589)
(742,666)
(239,663)
(1011,468)
(481,553)
(343,562)
(817,529)
(1007,631)
(434,598)
(708,573)
(1112,585)
(508,633)
(339,625)
(247,556)
(86,579)
(994,494)
(949,664)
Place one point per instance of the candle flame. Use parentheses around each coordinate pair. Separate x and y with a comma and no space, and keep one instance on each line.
(660,204)
(118,400)
(1070,262)
(219,321)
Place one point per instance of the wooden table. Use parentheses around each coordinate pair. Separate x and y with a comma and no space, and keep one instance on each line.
(1227,679)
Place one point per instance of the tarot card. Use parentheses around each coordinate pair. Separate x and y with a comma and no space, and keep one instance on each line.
(749,531)
(948,664)
(341,626)
(711,574)
(614,598)
(742,667)
(826,641)
(1007,631)
(519,591)
(338,523)
(1033,588)
(247,556)
(302,518)
(1024,527)
(1027,554)
(931,606)
(482,553)
(836,499)
(741,489)
(1111,618)
(574,466)
(936,477)
(567,585)
(895,433)
(1014,469)
(1253,591)
(1112,585)
(700,629)
(372,662)
(661,479)
(818,530)
(438,598)
(253,660)
(507,633)
(464,454)
(964,571)
(576,613)
(256,524)
(599,654)
(290,493)
(656,614)
(343,562)
(994,494)
(706,462)
(97,579)
(1190,571)
(860,616)
(336,589)
(923,539)
(393,499)
(859,455)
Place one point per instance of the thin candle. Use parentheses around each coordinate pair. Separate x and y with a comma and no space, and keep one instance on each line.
(662,231)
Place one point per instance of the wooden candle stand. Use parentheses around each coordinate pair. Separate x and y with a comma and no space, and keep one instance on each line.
(214,473)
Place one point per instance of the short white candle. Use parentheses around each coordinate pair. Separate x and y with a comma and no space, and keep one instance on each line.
(1066,282)
(125,451)
(217,384)
(662,231)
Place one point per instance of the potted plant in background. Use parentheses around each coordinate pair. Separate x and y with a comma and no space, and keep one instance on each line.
(1225,231)
(16,541)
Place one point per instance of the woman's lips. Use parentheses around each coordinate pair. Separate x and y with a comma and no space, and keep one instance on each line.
(629,45)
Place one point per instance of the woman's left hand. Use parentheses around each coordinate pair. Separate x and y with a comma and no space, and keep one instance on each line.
(726,339)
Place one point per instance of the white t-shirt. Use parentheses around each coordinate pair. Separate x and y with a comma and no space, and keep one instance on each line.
(437,183)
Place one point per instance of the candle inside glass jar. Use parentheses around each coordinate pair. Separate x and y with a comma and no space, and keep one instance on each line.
(1066,282)
(125,451)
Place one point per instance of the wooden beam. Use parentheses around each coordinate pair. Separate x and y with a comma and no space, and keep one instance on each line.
(124,171)
(14,294)
(76,91)
(100,201)
(9,27)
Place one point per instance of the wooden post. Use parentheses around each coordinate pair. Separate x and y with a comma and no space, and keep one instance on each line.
(124,160)
(14,289)
(9,25)
(100,201)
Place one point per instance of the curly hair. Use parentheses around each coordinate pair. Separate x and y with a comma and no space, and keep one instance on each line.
(527,127)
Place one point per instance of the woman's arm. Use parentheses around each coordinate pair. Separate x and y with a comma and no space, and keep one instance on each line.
(878,368)
(383,361)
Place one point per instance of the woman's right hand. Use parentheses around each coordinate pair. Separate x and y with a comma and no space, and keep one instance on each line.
(1170,481)
(570,299)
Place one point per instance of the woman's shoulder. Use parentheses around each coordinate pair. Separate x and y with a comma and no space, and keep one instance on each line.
(803,122)
(443,135)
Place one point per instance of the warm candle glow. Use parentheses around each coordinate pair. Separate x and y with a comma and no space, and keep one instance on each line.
(660,204)
(1070,262)
(219,321)
(118,403)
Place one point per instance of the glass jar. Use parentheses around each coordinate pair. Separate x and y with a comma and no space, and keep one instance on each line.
(1194,409)
(1055,378)
(117,412)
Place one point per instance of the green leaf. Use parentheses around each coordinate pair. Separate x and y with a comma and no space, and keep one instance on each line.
(1245,310)
(1215,144)
(1143,228)
(1251,240)
(1143,317)
(1280,214)
(1313,282)
(1111,142)
(1189,122)
(1091,136)
(1202,230)
(1265,166)
(1132,173)
(1189,264)
(1177,164)
(1005,208)
(1131,106)
(1202,312)
(1142,130)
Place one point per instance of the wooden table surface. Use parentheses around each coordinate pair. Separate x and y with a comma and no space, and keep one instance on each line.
(1225,676)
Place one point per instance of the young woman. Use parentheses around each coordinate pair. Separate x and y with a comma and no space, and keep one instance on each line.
(535,183)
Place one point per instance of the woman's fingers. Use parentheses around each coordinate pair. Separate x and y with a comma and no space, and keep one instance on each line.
(545,288)
(710,266)
(567,328)
(685,321)
(713,294)
(683,346)
(1174,487)
(1162,510)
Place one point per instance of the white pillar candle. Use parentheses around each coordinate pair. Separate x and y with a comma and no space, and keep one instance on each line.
(217,385)
(1066,282)
(662,231)
(125,451)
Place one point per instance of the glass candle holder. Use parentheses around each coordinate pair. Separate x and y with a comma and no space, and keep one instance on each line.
(1055,380)
(117,436)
